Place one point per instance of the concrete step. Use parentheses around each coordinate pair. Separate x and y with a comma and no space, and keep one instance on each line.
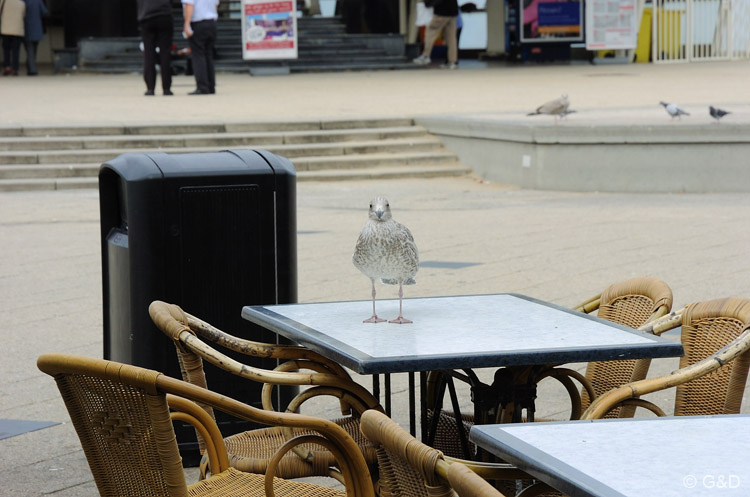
(57,157)
(186,128)
(410,157)
(39,171)
(386,172)
(17,185)
(156,141)
(287,150)
(450,169)
(373,160)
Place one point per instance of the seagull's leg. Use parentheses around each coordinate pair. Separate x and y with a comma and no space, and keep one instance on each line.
(374,318)
(400,319)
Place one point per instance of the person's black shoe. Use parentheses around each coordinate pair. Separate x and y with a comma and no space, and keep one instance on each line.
(197,92)
(168,93)
(149,93)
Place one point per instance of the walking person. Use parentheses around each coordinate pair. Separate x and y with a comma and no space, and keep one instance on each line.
(34,29)
(12,30)
(200,30)
(445,14)
(157,28)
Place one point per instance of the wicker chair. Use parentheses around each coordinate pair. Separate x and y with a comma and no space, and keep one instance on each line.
(713,372)
(632,303)
(251,451)
(122,416)
(409,468)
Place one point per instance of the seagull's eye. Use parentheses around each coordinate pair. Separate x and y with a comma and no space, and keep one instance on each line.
(370,206)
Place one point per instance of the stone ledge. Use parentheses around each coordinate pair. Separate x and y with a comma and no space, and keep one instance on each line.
(590,153)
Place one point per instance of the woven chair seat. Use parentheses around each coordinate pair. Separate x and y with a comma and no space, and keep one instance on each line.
(250,451)
(234,482)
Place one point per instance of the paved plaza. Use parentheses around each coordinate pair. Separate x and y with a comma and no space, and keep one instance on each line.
(557,246)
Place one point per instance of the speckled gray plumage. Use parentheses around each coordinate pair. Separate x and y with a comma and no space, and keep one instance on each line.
(386,250)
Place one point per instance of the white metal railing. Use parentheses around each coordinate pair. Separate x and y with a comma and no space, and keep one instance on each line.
(692,30)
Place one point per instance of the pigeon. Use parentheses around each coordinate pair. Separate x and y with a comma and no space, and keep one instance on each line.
(674,110)
(565,113)
(717,113)
(556,107)
(385,249)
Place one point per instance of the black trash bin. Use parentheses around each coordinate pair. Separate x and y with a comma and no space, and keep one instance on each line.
(211,232)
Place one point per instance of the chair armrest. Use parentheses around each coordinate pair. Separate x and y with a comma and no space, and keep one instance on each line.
(589,305)
(190,412)
(352,463)
(663,323)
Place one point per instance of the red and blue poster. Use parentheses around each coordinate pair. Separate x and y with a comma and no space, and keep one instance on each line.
(269,29)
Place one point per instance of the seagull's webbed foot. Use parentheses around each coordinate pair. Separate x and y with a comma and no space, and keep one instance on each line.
(374,319)
(400,320)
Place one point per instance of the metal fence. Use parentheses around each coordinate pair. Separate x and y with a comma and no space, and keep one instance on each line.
(694,30)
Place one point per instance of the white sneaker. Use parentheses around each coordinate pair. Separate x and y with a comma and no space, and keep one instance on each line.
(422,60)
(450,65)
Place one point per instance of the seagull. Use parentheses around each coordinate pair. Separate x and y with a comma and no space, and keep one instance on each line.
(674,110)
(556,107)
(717,113)
(385,249)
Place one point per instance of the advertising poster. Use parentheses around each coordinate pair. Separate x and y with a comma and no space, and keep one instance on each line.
(269,29)
(547,21)
(611,24)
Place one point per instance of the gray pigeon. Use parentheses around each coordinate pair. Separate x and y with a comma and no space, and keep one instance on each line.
(556,107)
(717,113)
(674,110)
(385,249)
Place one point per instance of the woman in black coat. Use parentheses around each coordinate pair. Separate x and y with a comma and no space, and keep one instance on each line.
(34,32)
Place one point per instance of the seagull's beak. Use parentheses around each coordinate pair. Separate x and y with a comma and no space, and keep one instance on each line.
(379,213)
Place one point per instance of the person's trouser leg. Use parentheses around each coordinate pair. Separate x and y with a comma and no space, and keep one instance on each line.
(200,54)
(451,40)
(6,52)
(164,41)
(210,51)
(31,57)
(149,34)
(431,33)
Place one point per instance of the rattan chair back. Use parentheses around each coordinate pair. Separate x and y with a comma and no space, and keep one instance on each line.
(707,327)
(632,303)
(250,451)
(122,416)
(409,468)
(125,430)
(713,372)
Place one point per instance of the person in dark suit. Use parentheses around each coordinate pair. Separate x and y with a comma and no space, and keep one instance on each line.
(34,32)
(200,30)
(157,28)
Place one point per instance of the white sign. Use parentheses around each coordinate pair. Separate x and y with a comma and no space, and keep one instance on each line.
(611,24)
(269,29)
